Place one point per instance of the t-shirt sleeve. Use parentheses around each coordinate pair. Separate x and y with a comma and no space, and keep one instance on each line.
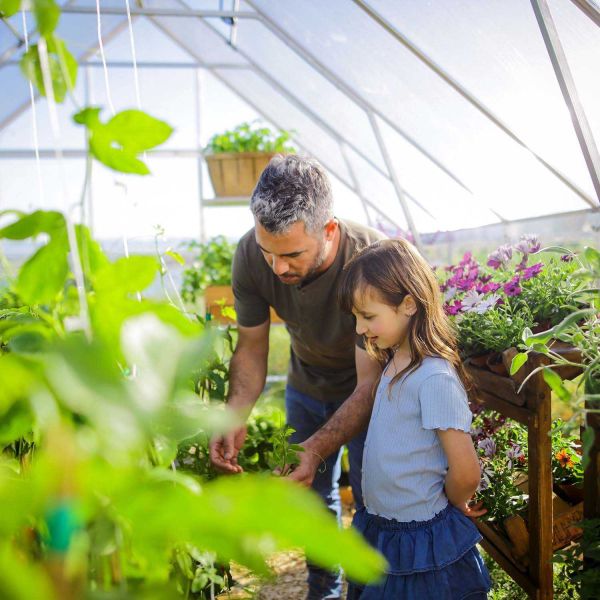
(444,403)
(251,308)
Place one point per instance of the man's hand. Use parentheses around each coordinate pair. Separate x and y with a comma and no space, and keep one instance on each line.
(473,511)
(304,472)
(224,450)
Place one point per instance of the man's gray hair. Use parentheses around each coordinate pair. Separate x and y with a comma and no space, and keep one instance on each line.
(292,188)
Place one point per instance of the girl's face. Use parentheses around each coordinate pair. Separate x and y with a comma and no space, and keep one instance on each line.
(384,325)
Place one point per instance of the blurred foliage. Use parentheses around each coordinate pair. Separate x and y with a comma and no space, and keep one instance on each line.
(92,426)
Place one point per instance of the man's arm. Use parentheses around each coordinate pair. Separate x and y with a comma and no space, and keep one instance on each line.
(348,421)
(247,375)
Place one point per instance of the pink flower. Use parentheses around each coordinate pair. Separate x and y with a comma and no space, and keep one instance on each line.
(528,244)
(512,287)
(453,309)
(532,271)
(500,257)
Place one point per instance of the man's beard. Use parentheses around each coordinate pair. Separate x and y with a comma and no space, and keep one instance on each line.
(319,260)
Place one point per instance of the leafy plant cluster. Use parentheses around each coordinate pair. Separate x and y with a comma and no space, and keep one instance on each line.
(211,265)
(251,137)
(492,304)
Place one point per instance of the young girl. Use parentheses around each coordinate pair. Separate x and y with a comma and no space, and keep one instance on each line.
(419,465)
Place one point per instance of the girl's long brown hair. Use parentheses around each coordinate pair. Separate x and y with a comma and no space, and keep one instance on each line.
(394,268)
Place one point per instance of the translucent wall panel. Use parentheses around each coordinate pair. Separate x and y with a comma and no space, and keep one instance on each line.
(134,206)
(18,133)
(150,45)
(415,100)
(452,206)
(314,139)
(495,51)
(20,185)
(580,38)
(166,94)
(301,80)
(14,91)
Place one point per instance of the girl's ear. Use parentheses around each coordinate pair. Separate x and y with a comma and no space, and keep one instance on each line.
(408,306)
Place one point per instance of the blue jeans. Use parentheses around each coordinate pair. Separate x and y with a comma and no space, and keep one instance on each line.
(306,415)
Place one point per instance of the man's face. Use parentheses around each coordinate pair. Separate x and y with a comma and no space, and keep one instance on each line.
(294,255)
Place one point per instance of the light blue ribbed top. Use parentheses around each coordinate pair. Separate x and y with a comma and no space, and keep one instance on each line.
(404,465)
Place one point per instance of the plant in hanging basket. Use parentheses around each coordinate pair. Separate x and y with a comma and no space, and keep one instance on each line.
(237,157)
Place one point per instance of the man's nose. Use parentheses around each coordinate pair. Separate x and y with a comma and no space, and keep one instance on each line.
(279,266)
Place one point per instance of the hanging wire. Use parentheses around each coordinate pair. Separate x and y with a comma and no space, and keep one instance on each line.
(101,48)
(136,80)
(36,144)
(71,235)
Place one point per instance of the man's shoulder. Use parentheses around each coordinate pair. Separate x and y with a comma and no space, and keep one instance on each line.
(361,235)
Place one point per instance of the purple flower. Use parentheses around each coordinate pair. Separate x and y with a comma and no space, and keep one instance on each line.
(567,257)
(453,309)
(500,257)
(514,453)
(512,287)
(488,445)
(485,278)
(466,259)
(528,244)
(532,271)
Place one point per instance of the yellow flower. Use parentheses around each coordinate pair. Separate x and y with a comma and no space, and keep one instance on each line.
(564,459)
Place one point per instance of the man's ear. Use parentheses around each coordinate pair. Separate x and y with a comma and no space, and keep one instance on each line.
(408,306)
(330,229)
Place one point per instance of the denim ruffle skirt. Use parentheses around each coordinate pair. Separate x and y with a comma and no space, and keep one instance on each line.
(436,559)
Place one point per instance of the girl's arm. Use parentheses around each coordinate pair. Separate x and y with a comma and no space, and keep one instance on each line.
(463,474)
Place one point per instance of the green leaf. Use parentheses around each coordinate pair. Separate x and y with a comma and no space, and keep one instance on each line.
(138,131)
(556,384)
(8,8)
(573,319)
(593,258)
(43,276)
(126,275)
(92,256)
(46,13)
(32,224)
(118,142)
(517,362)
(587,440)
(175,256)
(63,68)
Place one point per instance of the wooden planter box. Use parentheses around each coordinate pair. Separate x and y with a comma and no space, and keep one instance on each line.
(218,296)
(236,173)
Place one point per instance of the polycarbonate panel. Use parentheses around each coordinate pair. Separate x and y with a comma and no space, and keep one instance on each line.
(19,133)
(151,45)
(284,115)
(20,184)
(308,86)
(495,51)
(385,74)
(580,38)
(439,194)
(197,38)
(167,94)
(133,206)
(14,91)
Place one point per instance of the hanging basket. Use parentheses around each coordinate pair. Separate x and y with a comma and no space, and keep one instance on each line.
(236,173)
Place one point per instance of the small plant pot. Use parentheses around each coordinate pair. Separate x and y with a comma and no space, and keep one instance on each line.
(573,492)
(496,365)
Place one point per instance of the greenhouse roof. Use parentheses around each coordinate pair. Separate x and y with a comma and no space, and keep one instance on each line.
(430,116)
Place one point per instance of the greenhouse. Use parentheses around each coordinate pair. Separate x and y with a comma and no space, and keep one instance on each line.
(299,299)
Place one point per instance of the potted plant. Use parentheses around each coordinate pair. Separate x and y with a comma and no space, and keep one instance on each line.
(237,157)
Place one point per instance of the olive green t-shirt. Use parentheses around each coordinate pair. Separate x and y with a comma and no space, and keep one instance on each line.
(322,363)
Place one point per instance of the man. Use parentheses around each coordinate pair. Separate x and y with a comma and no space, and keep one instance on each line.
(291,260)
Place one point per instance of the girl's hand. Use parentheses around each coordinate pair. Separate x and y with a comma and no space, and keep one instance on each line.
(473,511)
